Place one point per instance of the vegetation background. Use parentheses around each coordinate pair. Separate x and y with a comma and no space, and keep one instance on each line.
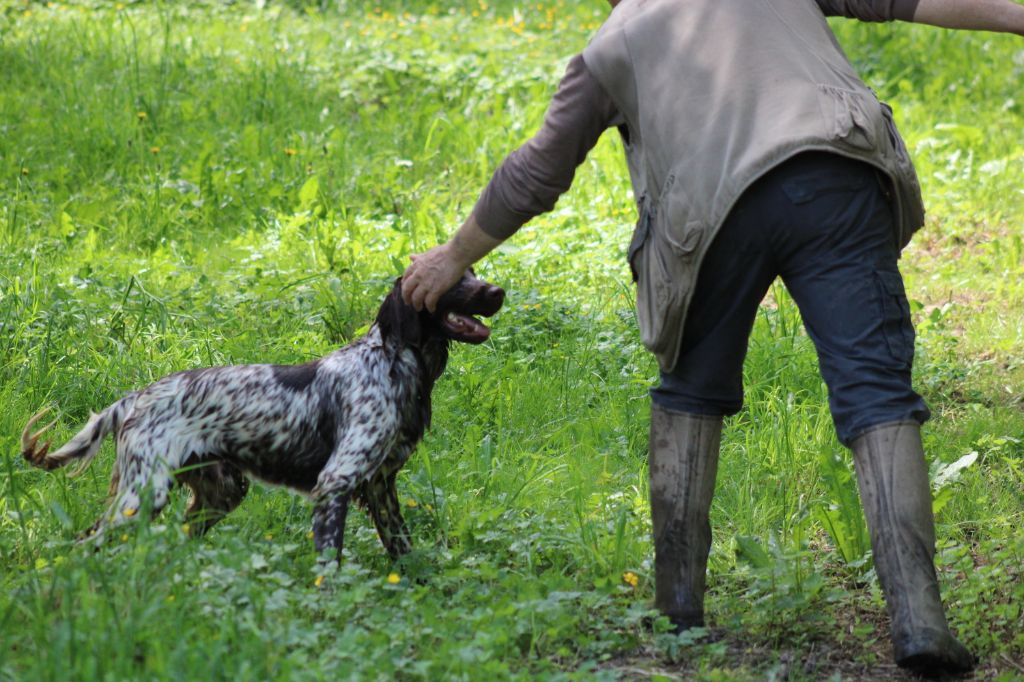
(203,183)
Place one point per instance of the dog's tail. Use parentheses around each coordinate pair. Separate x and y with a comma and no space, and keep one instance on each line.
(83,447)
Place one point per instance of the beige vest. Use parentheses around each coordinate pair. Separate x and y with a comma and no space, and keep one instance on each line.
(715,93)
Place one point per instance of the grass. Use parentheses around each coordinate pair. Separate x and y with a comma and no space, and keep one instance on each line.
(198,184)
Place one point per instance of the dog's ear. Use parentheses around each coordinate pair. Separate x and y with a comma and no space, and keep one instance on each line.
(397,319)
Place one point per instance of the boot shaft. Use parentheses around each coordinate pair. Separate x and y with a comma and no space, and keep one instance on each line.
(683,463)
(892,476)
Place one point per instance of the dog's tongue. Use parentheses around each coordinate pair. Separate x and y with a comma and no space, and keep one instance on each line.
(466,328)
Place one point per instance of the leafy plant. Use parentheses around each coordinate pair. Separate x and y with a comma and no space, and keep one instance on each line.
(841,514)
(785,588)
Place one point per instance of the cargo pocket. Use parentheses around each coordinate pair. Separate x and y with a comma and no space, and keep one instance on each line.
(849,117)
(896,324)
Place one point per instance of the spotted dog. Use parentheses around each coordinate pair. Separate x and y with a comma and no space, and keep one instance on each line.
(338,428)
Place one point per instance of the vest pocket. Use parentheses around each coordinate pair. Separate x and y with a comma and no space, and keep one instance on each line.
(896,146)
(662,265)
(640,234)
(662,256)
(903,177)
(681,234)
(849,116)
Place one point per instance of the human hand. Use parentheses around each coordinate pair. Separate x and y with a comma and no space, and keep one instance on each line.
(430,275)
(434,272)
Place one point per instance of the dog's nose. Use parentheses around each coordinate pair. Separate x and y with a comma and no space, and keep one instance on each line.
(494,295)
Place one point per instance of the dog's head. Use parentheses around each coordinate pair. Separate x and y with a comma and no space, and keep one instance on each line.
(455,317)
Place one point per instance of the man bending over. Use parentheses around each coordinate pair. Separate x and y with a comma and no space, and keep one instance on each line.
(755,152)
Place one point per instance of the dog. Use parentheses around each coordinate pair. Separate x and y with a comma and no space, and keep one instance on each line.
(336,429)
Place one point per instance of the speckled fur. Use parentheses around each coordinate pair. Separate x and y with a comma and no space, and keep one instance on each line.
(337,429)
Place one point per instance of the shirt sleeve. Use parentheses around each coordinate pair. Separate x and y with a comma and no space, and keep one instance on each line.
(870,10)
(530,179)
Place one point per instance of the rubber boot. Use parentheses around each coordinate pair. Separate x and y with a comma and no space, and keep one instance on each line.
(683,462)
(893,481)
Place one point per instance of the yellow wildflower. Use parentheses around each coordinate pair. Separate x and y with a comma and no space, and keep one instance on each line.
(154,150)
(411,503)
(319,581)
(24,171)
(129,512)
(268,537)
(141,115)
(630,578)
(124,537)
(289,151)
(394,578)
(185,528)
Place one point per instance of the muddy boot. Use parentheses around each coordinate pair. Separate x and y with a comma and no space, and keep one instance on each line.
(894,490)
(683,461)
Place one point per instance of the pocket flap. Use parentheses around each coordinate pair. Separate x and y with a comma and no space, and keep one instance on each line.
(686,240)
(850,116)
(682,234)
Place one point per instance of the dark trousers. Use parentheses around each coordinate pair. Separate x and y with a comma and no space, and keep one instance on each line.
(823,224)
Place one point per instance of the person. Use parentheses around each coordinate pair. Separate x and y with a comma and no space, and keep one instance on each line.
(754,151)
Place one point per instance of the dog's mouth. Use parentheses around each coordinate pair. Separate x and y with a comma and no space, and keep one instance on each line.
(465,328)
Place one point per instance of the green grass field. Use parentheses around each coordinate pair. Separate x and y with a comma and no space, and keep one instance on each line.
(201,183)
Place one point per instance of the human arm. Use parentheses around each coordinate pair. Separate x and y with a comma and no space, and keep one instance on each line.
(1003,16)
(528,183)
(870,10)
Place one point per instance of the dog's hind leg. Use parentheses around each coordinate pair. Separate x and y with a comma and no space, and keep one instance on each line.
(217,488)
(143,480)
(381,499)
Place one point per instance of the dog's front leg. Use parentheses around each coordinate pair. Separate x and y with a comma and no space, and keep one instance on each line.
(329,521)
(356,457)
